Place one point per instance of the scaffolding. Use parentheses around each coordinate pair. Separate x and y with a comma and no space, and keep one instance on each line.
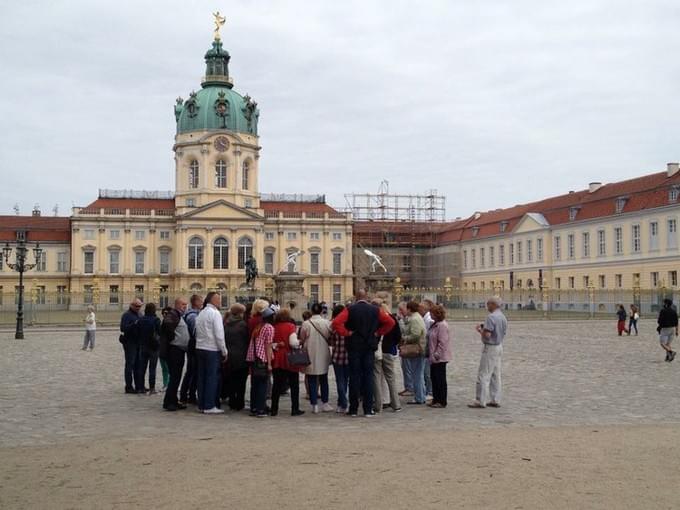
(386,206)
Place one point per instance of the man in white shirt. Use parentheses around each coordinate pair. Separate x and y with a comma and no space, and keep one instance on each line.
(211,351)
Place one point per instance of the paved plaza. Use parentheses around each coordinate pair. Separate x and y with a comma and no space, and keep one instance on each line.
(574,392)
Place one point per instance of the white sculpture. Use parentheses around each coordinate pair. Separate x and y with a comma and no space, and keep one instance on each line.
(376,260)
(292,259)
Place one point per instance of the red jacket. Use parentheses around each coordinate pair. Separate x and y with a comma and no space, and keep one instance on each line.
(282,332)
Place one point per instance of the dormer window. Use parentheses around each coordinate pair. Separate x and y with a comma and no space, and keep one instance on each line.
(475,231)
(573,212)
(673,194)
(620,204)
(504,226)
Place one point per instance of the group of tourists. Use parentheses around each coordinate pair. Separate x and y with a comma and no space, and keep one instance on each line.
(207,358)
(667,324)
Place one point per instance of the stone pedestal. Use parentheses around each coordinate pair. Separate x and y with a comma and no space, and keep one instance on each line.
(290,289)
(381,285)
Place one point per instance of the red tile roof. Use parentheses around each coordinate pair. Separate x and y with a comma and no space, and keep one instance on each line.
(307,207)
(132,203)
(40,228)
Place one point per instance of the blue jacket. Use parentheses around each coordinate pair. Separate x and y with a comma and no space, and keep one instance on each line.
(190,319)
(149,331)
(129,323)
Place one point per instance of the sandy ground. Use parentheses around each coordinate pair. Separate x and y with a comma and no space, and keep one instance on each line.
(518,468)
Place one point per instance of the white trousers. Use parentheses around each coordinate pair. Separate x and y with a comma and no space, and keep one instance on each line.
(489,375)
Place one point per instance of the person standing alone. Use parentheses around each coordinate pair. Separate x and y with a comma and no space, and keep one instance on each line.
(492,333)
(90,328)
(667,328)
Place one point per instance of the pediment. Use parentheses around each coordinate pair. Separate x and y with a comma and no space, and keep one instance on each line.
(531,222)
(222,210)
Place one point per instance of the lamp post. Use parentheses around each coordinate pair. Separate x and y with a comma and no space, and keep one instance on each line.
(21,267)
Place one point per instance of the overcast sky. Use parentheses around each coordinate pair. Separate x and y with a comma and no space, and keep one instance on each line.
(491,103)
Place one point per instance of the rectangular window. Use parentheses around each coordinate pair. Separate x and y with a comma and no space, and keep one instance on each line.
(62,298)
(337,293)
(40,295)
(114,298)
(492,256)
(164,261)
(406,263)
(637,244)
(501,255)
(114,262)
(465,259)
(114,234)
(539,249)
(672,233)
(558,283)
(139,292)
(191,202)
(601,281)
(673,278)
(654,279)
(558,248)
(473,260)
(314,236)
(337,236)
(530,254)
(62,262)
(88,233)
(618,280)
(88,262)
(88,294)
(337,263)
(571,248)
(653,236)
(291,236)
(601,243)
(572,282)
(618,240)
(139,262)
(314,263)
(269,236)
(586,281)
(511,253)
(269,262)
(140,235)
(585,238)
(165,235)
(41,263)
(636,279)
(520,255)
(482,261)
(314,292)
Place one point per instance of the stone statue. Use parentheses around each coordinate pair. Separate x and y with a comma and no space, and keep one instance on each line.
(376,261)
(219,21)
(251,271)
(292,259)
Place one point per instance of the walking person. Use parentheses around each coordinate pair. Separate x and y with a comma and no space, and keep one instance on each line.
(385,368)
(362,324)
(414,339)
(633,320)
(667,328)
(174,344)
(187,392)
(492,333)
(210,351)
(439,349)
(285,340)
(90,328)
(235,370)
(149,333)
(260,358)
(315,335)
(129,338)
(340,362)
(621,319)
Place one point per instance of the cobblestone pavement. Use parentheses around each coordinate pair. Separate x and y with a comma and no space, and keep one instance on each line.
(555,373)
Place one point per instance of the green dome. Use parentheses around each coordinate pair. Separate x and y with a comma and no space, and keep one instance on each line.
(217,106)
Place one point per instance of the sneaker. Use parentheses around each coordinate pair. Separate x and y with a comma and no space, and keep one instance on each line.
(353,414)
(130,391)
(493,404)
(261,415)
(214,410)
(315,409)
(406,393)
(672,356)
(668,355)
(370,415)
(181,406)
(397,409)
(386,406)
(297,413)
(327,408)
(476,405)
(84,349)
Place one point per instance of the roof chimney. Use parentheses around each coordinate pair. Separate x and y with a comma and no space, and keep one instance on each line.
(594,186)
(672,169)
(36,210)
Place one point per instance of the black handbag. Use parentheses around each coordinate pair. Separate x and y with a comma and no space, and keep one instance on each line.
(259,368)
(298,358)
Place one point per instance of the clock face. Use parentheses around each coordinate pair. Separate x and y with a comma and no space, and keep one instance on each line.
(221,143)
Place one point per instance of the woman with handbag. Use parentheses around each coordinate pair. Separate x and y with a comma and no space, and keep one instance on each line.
(285,341)
(260,358)
(315,335)
(440,354)
(149,335)
(412,350)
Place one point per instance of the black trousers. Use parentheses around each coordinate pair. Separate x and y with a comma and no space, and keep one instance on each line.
(439,386)
(283,378)
(175,363)
(234,386)
(187,392)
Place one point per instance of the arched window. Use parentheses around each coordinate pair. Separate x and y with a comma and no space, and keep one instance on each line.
(195,253)
(193,174)
(245,176)
(196,287)
(245,250)
(221,174)
(221,253)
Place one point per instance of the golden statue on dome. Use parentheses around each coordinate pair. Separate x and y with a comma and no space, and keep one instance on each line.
(219,21)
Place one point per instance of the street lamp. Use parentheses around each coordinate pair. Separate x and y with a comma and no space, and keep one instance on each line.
(21,266)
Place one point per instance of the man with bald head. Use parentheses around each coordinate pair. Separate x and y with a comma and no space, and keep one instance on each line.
(362,324)
(174,342)
(132,346)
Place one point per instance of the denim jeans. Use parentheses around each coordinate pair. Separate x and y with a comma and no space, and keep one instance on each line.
(89,339)
(258,394)
(133,355)
(314,382)
(148,359)
(417,368)
(408,376)
(208,377)
(341,383)
(427,377)
(361,381)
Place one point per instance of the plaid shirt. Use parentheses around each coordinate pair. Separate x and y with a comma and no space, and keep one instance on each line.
(339,355)
(258,345)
